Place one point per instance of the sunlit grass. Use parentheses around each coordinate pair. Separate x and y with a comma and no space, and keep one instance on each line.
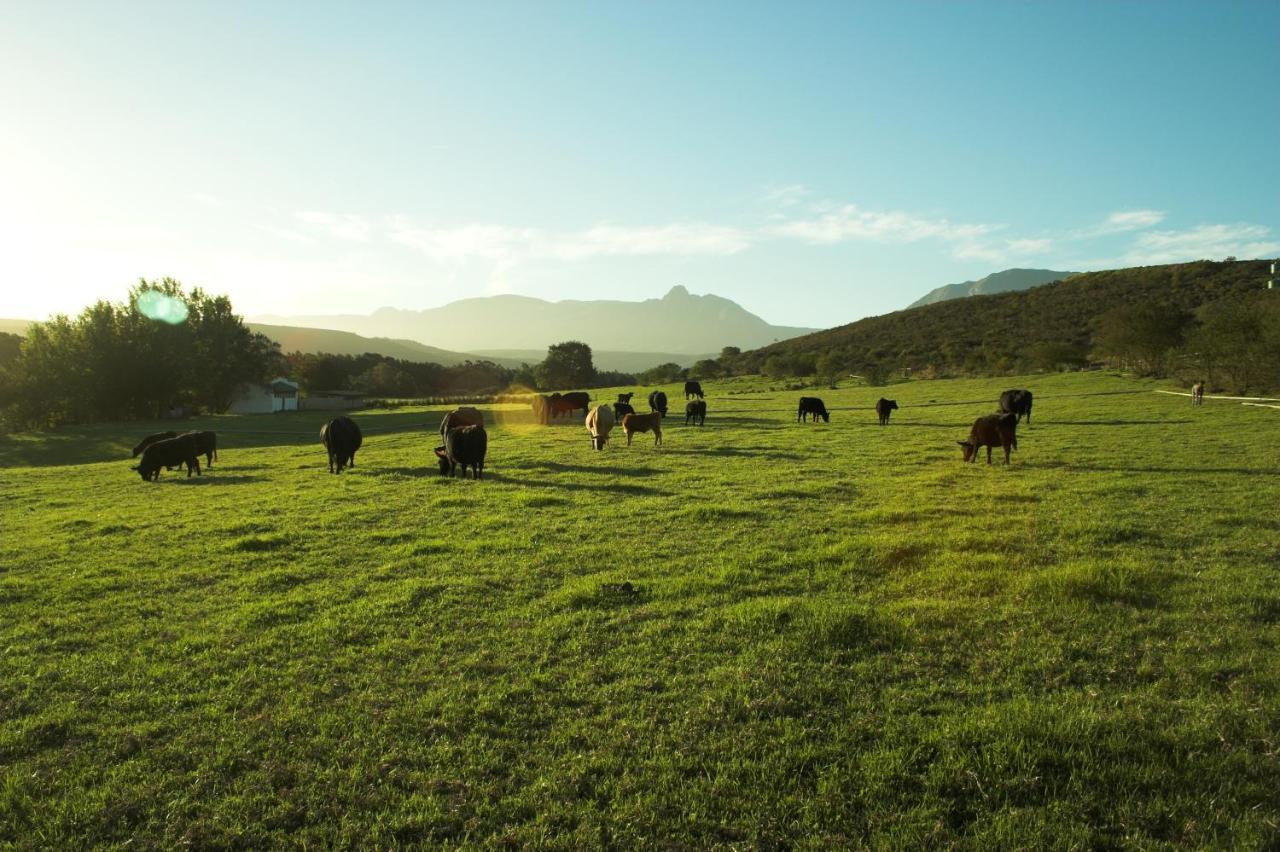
(761,633)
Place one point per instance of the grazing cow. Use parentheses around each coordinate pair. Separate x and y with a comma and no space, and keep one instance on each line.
(600,422)
(812,405)
(464,416)
(151,439)
(658,402)
(883,407)
(693,389)
(696,410)
(206,445)
(1016,402)
(1197,394)
(990,431)
(621,410)
(171,452)
(341,437)
(567,403)
(625,398)
(464,447)
(652,421)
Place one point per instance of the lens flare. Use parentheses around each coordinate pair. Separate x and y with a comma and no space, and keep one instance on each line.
(157,306)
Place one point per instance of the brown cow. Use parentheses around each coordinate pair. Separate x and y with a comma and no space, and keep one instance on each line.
(652,421)
(991,431)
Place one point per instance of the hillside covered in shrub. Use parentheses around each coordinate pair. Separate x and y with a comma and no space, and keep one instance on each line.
(1049,327)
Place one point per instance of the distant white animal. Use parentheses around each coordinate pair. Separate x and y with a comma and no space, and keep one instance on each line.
(600,424)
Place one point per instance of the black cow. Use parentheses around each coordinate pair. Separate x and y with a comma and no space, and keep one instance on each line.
(576,400)
(693,389)
(206,445)
(341,437)
(622,409)
(1017,403)
(696,410)
(464,416)
(464,447)
(171,452)
(151,439)
(658,402)
(883,407)
(812,405)
(992,430)
(625,398)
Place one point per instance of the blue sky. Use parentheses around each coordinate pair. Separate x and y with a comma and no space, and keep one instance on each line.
(815,162)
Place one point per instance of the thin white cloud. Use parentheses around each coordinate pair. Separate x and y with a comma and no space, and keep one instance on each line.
(1133,220)
(505,244)
(1214,242)
(1007,251)
(342,227)
(850,222)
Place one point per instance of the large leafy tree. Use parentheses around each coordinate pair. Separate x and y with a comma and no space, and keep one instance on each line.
(568,365)
(120,361)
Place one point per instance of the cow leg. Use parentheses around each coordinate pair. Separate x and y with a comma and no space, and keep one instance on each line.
(1006,453)
(988,454)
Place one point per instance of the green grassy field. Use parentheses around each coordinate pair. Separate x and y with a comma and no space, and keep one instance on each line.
(760,635)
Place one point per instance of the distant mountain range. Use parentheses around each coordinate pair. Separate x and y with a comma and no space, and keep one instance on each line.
(679,322)
(315,340)
(996,282)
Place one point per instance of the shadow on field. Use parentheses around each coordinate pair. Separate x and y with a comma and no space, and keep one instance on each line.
(732,452)
(714,419)
(560,467)
(211,479)
(1181,471)
(411,472)
(1111,422)
(607,487)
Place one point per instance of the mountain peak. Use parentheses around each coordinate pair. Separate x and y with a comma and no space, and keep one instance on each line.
(676,292)
(996,282)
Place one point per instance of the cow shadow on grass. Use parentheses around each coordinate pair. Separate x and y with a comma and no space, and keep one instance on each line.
(575,485)
(1112,422)
(714,419)
(212,479)
(1179,471)
(732,452)
(561,467)
(411,472)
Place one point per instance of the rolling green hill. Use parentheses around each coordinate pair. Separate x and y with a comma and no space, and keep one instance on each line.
(296,339)
(1001,331)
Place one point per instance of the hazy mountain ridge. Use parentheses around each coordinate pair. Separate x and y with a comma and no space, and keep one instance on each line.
(679,322)
(997,282)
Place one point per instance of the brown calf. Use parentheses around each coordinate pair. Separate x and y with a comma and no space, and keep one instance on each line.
(652,421)
(991,431)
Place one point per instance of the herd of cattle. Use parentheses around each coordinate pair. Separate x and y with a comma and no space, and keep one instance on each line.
(464,442)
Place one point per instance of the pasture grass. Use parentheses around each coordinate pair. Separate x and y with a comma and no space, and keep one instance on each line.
(760,635)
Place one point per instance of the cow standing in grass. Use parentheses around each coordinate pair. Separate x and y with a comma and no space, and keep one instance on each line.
(651,422)
(992,430)
(151,439)
(621,410)
(812,405)
(341,438)
(206,445)
(692,389)
(170,453)
(464,447)
(1197,393)
(600,422)
(883,409)
(658,402)
(1017,403)
(695,411)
